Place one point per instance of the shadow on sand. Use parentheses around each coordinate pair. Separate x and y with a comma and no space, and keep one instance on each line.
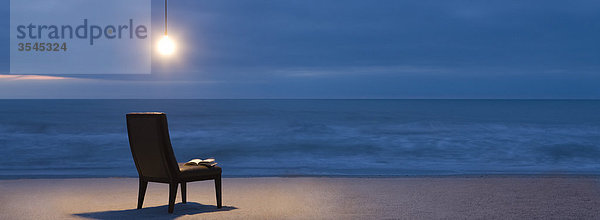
(157,212)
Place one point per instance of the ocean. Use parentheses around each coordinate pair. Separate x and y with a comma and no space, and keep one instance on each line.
(88,138)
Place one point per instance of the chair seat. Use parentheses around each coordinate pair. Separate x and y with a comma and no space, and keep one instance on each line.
(197,171)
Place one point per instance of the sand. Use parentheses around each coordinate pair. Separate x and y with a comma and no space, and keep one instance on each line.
(488,197)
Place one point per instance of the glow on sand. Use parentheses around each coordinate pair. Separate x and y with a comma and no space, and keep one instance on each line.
(166,46)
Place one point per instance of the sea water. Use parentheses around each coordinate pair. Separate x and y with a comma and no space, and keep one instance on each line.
(52,138)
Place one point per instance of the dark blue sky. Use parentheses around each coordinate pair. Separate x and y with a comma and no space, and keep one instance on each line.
(355,49)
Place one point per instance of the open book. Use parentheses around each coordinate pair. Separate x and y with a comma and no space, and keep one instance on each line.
(210,162)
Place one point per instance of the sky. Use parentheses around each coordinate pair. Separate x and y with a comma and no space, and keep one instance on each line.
(353,49)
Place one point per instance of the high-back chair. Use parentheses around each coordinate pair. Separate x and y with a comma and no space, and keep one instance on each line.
(155,162)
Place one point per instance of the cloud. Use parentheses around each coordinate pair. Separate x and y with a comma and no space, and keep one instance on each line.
(29,77)
(372,71)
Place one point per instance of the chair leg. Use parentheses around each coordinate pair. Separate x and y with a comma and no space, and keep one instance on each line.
(218,191)
(172,195)
(183,192)
(142,192)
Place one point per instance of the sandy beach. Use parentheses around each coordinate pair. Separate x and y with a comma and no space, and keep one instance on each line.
(471,197)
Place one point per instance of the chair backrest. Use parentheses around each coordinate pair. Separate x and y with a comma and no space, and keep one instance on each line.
(151,146)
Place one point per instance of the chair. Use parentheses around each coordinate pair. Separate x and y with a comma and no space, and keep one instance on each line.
(155,162)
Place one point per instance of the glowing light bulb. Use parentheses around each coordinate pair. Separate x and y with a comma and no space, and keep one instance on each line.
(166,46)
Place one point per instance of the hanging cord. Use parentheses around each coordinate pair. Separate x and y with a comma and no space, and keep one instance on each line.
(165,17)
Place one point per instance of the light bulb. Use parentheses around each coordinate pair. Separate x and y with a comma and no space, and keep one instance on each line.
(166,46)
